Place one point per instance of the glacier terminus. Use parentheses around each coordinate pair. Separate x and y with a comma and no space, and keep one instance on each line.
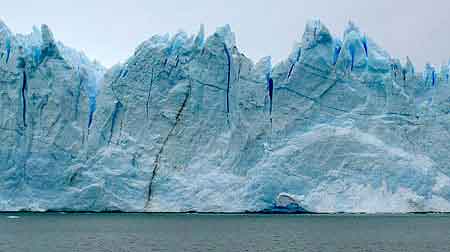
(189,123)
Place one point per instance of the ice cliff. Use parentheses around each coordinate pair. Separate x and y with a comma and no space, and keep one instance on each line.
(189,123)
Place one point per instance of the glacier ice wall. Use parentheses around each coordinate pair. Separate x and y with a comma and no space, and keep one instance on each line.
(189,123)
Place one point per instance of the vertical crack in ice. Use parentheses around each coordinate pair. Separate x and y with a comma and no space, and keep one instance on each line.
(394,70)
(42,106)
(116,111)
(433,78)
(172,67)
(299,54)
(77,98)
(366,47)
(270,89)
(124,73)
(8,49)
(239,71)
(156,163)
(337,51)
(147,109)
(92,108)
(352,54)
(227,52)
(177,62)
(73,176)
(24,100)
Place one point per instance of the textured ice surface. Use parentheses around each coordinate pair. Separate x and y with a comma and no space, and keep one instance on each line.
(185,125)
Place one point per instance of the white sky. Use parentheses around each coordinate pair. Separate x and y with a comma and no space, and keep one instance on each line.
(110,30)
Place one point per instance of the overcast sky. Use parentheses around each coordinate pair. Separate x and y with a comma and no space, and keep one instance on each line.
(110,30)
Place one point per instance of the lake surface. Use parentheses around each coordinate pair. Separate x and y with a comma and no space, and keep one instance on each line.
(198,232)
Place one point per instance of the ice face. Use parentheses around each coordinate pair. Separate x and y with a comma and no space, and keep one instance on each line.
(189,123)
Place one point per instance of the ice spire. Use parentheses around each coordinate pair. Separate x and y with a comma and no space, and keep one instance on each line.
(200,38)
(409,66)
(4,30)
(315,33)
(227,35)
(351,27)
(47,36)
(445,72)
(355,50)
(429,75)
(178,41)
(49,48)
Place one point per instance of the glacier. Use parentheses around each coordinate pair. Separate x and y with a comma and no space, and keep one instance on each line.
(189,123)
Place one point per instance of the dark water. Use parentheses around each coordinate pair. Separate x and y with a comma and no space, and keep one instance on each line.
(159,232)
